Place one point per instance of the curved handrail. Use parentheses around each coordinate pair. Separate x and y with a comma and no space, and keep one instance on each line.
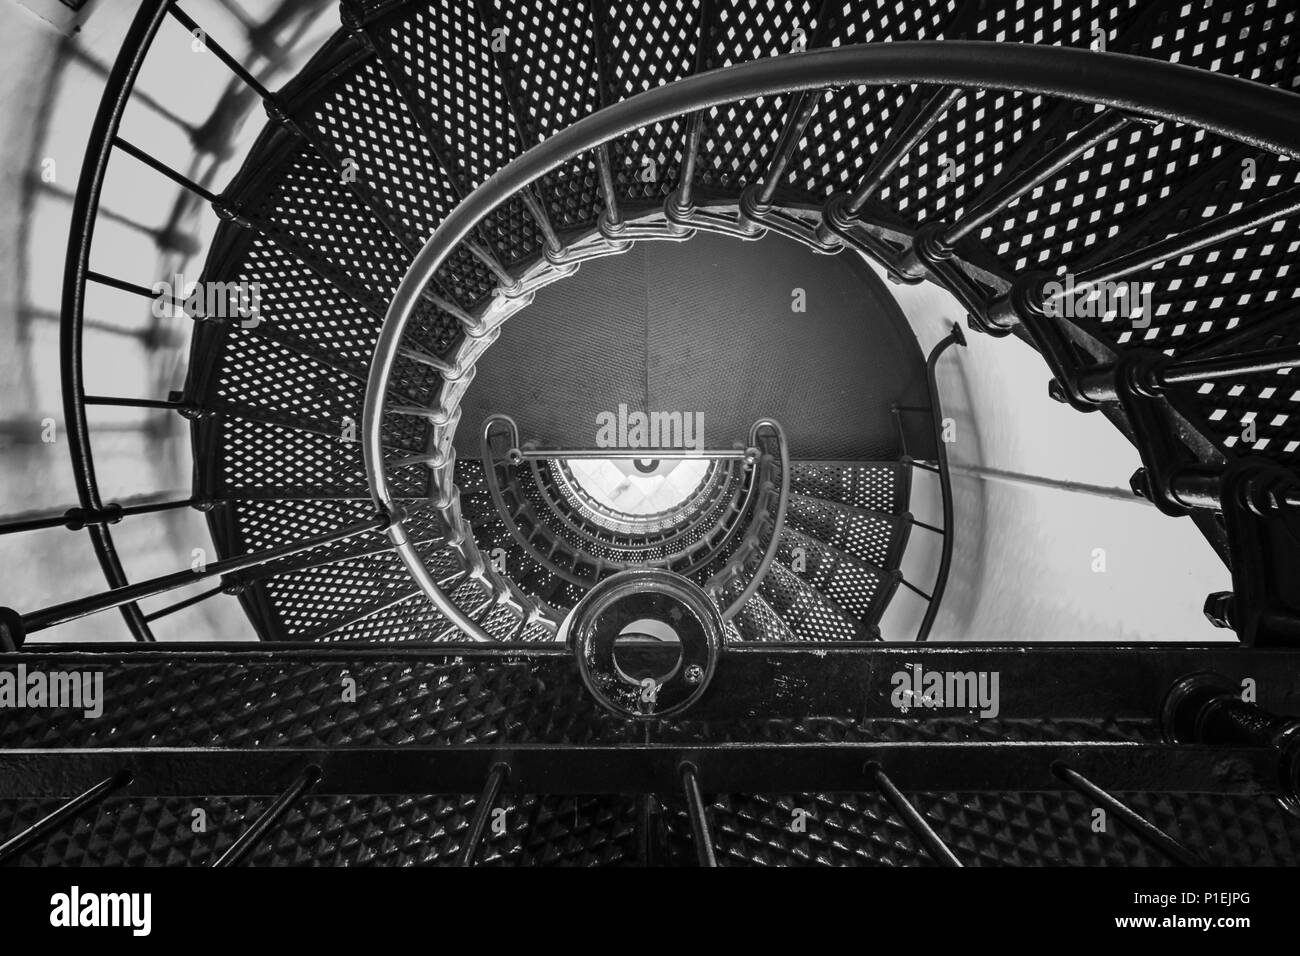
(778,520)
(955,337)
(85,208)
(1144,87)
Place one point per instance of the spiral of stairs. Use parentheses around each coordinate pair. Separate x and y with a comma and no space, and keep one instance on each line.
(329,249)
(271,402)
(440,168)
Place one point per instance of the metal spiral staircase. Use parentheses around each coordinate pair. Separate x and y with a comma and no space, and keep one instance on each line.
(424,179)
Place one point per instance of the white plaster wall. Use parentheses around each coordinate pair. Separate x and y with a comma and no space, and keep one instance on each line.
(1024,554)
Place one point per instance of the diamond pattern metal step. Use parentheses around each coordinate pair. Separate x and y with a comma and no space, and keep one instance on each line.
(875,486)
(872,536)
(854,587)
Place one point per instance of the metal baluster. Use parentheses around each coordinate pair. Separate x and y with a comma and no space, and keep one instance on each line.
(914,589)
(1209,233)
(1105,126)
(1029,298)
(611,221)
(116,402)
(1100,384)
(757,199)
(679,205)
(15,845)
(247,840)
(536,205)
(183,181)
(915,821)
(1140,825)
(487,799)
(701,832)
(841,212)
(231,63)
(901,142)
(133,288)
(182,605)
(116,597)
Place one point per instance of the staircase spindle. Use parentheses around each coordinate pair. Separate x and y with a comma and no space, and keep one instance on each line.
(133,288)
(901,142)
(131,593)
(611,220)
(223,55)
(181,180)
(1170,848)
(487,799)
(17,844)
(701,832)
(1209,233)
(800,114)
(1104,127)
(912,817)
(238,851)
(171,609)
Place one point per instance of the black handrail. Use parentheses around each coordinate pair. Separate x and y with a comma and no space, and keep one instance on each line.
(955,337)
(934,414)
(85,206)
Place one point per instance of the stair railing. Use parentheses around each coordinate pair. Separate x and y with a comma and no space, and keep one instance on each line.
(1129,89)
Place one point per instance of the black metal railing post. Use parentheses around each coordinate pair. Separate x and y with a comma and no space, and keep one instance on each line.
(697,811)
(912,817)
(116,597)
(1147,831)
(238,851)
(18,843)
(487,799)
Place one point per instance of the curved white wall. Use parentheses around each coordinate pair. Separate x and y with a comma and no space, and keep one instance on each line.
(1024,556)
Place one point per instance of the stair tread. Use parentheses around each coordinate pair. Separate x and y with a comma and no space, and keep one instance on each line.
(806,612)
(760,622)
(874,537)
(877,486)
(857,588)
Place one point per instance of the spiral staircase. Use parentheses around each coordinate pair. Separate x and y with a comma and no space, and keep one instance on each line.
(420,189)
